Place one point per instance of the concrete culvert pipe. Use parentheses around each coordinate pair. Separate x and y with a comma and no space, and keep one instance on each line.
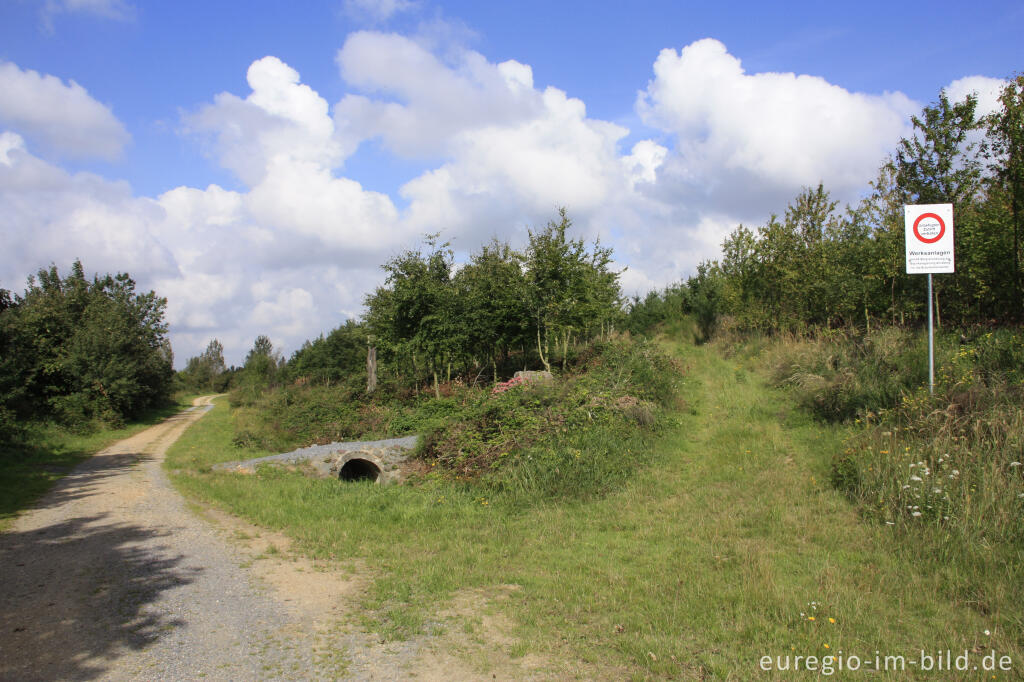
(359,470)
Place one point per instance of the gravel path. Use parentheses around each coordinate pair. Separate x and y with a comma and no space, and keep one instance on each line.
(111,577)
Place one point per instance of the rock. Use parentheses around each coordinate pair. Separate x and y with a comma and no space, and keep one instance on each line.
(532,377)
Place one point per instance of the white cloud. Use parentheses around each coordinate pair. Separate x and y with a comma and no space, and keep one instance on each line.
(986,89)
(48,215)
(377,10)
(63,117)
(281,119)
(423,103)
(781,127)
(294,252)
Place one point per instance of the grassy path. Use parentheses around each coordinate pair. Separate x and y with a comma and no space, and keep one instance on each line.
(730,547)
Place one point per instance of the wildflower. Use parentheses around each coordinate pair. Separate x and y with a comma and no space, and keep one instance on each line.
(884,452)
(889,523)
(1014,464)
(915,513)
(831,620)
(810,617)
(987,633)
(827,646)
(915,478)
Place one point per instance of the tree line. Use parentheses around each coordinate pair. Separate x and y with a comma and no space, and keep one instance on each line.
(81,350)
(434,320)
(818,266)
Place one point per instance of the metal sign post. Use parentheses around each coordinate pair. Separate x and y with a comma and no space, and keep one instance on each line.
(931,341)
(929,247)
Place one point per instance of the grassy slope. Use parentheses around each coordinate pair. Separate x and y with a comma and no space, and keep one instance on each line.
(706,561)
(29,471)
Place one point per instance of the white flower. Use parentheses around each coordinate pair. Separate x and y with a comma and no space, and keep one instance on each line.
(915,478)
(987,633)
(917,513)
(889,523)
(905,487)
(936,490)
(1014,464)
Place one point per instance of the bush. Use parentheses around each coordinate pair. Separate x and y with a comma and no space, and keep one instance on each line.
(579,436)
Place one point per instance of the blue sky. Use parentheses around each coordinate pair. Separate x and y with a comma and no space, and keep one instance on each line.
(255,162)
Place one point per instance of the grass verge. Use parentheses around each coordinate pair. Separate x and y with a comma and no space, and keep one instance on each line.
(727,546)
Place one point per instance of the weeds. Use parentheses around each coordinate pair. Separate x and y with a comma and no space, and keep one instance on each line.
(944,470)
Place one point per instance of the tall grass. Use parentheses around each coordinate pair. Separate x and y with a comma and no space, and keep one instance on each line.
(946,469)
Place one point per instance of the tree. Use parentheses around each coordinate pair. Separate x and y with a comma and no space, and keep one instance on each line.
(261,363)
(1005,130)
(492,290)
(207,372)
(568,289)
(415,315)
(938,164)
(80,350)
(706,297)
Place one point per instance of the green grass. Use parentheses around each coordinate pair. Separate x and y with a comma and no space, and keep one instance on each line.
(28,470)
(719,551)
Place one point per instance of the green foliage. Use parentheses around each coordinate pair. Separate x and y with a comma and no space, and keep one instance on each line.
(341,354)
(81,351)
(206,372)
(822,268)
(514,440)
(840,376)
(260,372)
(428,322)
(706,298)
(938,164)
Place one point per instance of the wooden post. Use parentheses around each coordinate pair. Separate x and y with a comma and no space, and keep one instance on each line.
(371,368)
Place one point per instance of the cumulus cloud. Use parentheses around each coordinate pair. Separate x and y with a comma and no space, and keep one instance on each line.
(986,89)
(293,252)
(422,103)
(510,153)
(48,215)
(65,118)
(781,127)
(282,119)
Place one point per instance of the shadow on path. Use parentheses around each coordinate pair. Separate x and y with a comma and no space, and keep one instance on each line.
(74,596)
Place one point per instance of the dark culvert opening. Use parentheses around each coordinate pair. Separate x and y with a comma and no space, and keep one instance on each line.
(359,470)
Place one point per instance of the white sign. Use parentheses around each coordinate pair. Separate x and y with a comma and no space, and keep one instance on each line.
(929,238)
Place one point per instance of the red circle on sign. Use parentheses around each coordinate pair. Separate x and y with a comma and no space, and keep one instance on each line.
(942,228)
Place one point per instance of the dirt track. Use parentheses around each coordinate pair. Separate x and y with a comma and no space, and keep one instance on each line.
(110,576)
